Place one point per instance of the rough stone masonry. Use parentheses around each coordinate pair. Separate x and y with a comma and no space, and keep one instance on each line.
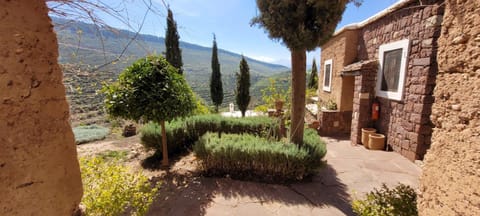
(39,171)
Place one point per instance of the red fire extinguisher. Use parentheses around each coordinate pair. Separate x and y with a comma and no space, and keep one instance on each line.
(375,110)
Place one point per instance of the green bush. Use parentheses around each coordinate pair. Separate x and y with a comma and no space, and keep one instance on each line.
(249,156)
(399,201)
(112,189)
(89,133)
(182,133)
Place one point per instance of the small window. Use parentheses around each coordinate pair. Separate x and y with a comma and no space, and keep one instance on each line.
(392,70)
(327,76)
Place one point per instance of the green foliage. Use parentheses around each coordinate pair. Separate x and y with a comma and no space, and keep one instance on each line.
(243,87)
(202,108)
(300,24)
(331,105)
(216,87)
(113,189)
(313,80)
(181,134)
(172,44)
(274,92)
(89,133)
(249,156)
(399,201)
(311,93)
(150,89)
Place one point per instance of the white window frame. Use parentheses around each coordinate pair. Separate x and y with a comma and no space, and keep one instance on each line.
(393,95)
(329,87)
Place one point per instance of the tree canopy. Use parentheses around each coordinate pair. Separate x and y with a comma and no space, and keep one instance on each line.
(149,89)
(313,80)
(172,43)
(242,93)
(300,24)
(216,87)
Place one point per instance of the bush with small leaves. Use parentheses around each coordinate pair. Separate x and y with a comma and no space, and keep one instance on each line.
(113,189)
(399,201)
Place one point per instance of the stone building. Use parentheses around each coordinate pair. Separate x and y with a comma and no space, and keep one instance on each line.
(389,58)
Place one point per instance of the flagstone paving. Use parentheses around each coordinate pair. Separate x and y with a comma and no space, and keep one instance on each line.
(351,171)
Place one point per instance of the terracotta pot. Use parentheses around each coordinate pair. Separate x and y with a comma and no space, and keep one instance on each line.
(376,141)
(279,105)
(365,133)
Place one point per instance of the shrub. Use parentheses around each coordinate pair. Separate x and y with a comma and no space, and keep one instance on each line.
(84,134)
(177,137)
(399,201)
(249,156)
(112,189)
(182,133)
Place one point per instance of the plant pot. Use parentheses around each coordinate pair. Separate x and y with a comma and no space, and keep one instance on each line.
(376,141)
(365,133)
(129,130)
(278,105)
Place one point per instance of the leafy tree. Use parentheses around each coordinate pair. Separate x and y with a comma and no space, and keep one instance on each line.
(216,88)
(172,45)
(150,90)
(313,81)
(242,93)
(301,25)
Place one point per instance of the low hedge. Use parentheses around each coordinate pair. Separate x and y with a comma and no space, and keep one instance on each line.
(89,133)
(247,156)
(183,133)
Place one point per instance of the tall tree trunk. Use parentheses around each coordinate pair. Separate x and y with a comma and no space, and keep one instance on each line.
(164,145)
(299,62)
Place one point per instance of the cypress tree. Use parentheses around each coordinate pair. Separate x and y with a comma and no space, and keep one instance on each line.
(313,81)
(216,88)
(172,44)
(242,93)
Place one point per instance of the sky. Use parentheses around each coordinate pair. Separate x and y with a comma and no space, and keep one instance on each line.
(229,20)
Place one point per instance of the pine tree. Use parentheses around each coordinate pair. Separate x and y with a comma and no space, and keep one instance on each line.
(216,88)
(302,25)
(242,93)
(313,81)
(172,45)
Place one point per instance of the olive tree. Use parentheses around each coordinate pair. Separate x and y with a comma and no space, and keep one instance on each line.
(302,25)
(150,90)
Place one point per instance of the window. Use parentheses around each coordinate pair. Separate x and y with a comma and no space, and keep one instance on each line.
(392,70)
(327,76)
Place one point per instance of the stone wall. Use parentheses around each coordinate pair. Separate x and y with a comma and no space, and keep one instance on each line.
(450,183)
(334,123)
(406,123)
(39,172)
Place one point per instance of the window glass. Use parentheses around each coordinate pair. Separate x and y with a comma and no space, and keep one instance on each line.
(391,70)
(328,70)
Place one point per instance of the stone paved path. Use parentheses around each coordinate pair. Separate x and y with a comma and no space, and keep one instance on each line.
(351,171)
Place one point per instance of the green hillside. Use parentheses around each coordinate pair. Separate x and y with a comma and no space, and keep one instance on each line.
(80,43)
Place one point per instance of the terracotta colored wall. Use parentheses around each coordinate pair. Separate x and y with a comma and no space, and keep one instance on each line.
(406,123)
(342,49)
(39,172)
(450,183)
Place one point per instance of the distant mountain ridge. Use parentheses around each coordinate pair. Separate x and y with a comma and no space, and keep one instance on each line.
(80,43)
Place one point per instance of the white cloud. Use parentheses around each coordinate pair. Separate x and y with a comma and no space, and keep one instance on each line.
(263,58)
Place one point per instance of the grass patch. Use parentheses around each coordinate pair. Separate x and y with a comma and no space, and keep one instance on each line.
(113,155)
(89,133)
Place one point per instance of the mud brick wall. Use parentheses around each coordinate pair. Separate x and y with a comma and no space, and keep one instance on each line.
(406,123)
(39,171)
(334,123)
(450,181)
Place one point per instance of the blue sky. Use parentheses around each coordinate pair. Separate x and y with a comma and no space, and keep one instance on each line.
(230,20)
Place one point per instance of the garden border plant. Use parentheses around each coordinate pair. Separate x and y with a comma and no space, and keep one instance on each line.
(288,163)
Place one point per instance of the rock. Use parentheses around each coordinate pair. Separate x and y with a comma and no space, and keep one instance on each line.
(460,39)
